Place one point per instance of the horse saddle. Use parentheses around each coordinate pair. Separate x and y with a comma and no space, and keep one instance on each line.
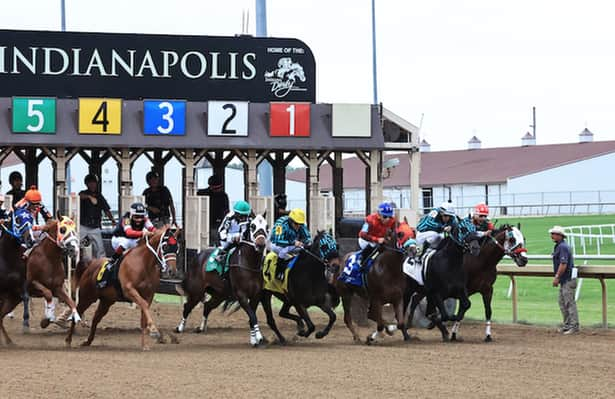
(108,274)
(213,265)
(274,265)
(416,267)
(355,269)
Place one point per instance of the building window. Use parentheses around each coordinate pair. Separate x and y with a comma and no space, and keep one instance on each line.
(427,199)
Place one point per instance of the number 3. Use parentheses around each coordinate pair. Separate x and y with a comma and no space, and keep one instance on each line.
(167,117)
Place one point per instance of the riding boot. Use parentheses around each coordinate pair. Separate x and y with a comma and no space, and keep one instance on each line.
(221,255)
(366,254)
(114,259)
(280,268)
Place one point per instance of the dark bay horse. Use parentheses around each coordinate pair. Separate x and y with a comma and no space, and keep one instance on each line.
(12,265)
(386,283)
(45,266)
(198,281)
(481,271)
(139,277)
(310,283)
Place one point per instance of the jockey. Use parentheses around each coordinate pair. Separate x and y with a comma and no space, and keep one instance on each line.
(3,214)
(233,226)
(479,219)
(129,231)
(432,225)
(373,230)
(289,234)
(32,202)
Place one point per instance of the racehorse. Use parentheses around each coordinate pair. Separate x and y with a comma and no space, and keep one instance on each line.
(139,278)
(386,283)
(45,265)
(310,283)
(12,265)
(445,276)
(198,281)
(481,271)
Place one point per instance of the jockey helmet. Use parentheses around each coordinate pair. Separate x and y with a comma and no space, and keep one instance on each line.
(481,210)
(90,178)
(385,210)
(297,215)
(447,209)
(137,209)
(33,196)
(242,208)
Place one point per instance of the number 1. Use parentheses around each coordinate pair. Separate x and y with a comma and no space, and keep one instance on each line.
(291,111)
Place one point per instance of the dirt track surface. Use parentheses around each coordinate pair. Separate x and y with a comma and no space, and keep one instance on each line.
(523,361)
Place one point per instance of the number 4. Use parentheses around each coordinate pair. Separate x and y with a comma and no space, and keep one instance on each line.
(104,121)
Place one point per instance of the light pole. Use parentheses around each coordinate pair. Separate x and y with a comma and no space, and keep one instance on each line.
(374,69)
(265,172)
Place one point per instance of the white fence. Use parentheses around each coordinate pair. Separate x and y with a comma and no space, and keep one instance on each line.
(584,239)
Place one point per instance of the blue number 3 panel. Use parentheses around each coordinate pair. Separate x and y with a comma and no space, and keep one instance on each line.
(164,118)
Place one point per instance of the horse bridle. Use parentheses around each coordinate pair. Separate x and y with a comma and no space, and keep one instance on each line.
(65,239)
(161,257)
(510,251)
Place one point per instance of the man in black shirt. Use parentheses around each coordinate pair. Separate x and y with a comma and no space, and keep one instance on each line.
(15,180)
(92,204)
(218,205)
(158,200)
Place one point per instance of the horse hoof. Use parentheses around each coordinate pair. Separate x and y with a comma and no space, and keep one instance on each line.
(446,338)
(45,323)
(488,338)
(146,349)
(155,334)
(390,330)
(453,337)
(25,329)
(200,330)
(85,343)
(320,335)
(177,330)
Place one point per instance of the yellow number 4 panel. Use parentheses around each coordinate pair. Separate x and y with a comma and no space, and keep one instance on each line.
(100,116)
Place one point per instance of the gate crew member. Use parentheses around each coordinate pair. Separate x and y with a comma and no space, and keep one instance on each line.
(92,204)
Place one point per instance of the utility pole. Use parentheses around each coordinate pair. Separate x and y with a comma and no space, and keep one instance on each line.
(533,125)
(265,172)
(374,69)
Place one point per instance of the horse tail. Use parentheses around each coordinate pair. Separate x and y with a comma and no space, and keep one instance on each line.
(334,295)
(192,271)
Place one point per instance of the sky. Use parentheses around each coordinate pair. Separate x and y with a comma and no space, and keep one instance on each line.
(463,68)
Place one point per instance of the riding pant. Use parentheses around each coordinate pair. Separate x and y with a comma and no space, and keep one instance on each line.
(432,237)
(364,243)
(284,252)
(123,242)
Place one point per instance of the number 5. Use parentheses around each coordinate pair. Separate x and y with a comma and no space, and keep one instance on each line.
(35,113)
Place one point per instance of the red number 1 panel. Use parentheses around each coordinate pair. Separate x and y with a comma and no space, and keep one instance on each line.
(289,120)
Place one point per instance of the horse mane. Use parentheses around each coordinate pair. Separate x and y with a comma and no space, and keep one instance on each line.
(154,239)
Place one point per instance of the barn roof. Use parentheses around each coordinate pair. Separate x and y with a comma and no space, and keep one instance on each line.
(481,166)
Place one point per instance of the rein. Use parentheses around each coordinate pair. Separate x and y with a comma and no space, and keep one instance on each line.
(238,266)
(162,261)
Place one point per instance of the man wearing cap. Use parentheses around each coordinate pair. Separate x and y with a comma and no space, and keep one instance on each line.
(158,200)
(218,205)
(563,265)
(92,204)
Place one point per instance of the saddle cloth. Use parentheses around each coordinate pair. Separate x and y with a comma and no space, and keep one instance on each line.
(212,265)
(352,273)
(417,270)
(270,282)
(107,276)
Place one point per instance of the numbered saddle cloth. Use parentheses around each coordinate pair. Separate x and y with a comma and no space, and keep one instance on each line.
(108,276)
(352,273)
(414,267)
(269,270)
(212,265)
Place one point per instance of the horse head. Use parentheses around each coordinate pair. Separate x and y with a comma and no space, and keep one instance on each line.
(167,248)
(511,240)
(19,227)
(259,231)
(64,231)
(325,247)
(390,238)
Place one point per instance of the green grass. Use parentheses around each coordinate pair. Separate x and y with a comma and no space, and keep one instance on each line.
(537,302)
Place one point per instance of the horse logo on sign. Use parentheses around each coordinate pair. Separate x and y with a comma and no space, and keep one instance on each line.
(283,80)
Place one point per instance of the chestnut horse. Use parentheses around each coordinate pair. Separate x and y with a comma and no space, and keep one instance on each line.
(12,266)
(139,278)
(45,266)
(243,282)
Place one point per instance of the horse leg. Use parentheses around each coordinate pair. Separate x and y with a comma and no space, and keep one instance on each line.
(50,315)
(26,310)
(285,313)
(414,302)
(254,301)
(6,306)
(332,317)
(86,299)
(487,295)
(188,306)
(347,305)
(464,305)
(375,314)
(266,302)
(401,321)
(63,296)
(306,317)
(208,306)
(131,293)
(253,321)
(101,311)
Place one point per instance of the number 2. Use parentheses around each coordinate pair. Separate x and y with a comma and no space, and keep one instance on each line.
(225,129)
(35,113)
(167,117)
(104,121)
(291,111)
